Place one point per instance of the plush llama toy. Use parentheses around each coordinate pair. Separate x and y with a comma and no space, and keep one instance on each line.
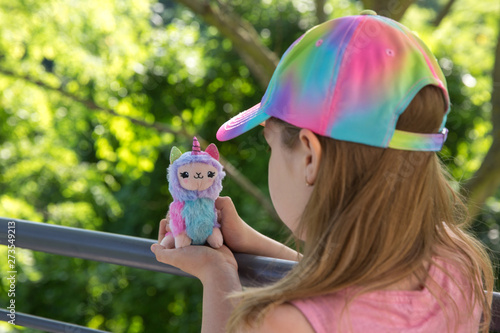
(195,181)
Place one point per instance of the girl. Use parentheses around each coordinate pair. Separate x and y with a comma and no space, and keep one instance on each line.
(354,114)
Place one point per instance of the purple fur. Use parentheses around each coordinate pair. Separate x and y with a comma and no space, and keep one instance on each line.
(181,194)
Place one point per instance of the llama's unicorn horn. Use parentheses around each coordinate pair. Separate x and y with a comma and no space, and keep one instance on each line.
(196,147)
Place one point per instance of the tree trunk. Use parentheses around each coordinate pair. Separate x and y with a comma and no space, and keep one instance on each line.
(260,60)
(320,10)
(486,180)
(393,9)
(442,14)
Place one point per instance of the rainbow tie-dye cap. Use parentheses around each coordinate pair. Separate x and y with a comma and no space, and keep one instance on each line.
(350,79)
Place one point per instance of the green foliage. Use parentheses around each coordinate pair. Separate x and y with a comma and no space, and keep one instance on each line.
(464,44)
(65,159)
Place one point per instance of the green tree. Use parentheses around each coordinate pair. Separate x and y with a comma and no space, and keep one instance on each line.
(93,96)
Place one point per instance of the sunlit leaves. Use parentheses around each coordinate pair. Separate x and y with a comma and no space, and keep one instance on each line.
(464,44)
(10,206)
(65,159)
(74,214)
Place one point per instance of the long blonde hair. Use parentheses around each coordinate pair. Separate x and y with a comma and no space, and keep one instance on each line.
(374,218)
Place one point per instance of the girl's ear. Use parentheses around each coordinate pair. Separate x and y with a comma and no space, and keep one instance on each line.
(311,147)
(212,151)
(175,153)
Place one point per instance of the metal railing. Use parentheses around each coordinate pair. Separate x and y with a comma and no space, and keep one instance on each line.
(133,252)
(46,325)
(115,249)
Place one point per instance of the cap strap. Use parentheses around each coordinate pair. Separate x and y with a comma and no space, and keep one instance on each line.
(418,141)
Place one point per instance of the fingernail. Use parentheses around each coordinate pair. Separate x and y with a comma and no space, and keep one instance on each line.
(154,247)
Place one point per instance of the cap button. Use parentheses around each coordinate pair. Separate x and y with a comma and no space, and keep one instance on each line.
(368,12)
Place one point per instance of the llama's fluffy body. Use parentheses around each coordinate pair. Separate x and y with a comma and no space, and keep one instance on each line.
(201,218)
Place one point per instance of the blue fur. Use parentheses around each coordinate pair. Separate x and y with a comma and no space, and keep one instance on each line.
(200,219)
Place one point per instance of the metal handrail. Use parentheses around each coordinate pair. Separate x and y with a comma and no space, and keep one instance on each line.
(126,250)
(115,249)
(135,252)
(47,325)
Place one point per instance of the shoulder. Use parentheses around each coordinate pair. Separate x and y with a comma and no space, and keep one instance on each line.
(284,318)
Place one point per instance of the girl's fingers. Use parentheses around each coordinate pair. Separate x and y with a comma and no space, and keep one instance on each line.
(223,202)
(164,228)
(194,260)
(161,230)
(164,255)
(226,207)
(168,241)
(157,249)
(182,258)
(173,257)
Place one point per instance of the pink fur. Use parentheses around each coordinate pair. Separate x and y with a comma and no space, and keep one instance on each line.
(177,223)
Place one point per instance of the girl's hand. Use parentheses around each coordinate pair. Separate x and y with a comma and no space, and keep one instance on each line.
(240,237)
(215,268)
(202,262)
(236,233)
(194,260)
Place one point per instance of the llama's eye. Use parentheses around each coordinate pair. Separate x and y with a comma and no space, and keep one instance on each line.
(185,174)
(211,174)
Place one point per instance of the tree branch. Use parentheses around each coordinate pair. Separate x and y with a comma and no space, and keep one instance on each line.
(394,9)
(260,60)
(442,14)
(92,105)
(234,173)
(320,10)
(486,180)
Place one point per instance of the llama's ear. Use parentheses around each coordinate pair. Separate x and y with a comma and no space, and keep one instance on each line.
(212,151)
(175,153)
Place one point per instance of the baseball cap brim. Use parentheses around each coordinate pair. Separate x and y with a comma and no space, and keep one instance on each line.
(242,123)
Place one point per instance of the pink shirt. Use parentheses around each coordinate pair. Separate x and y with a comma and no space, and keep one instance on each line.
(390,311)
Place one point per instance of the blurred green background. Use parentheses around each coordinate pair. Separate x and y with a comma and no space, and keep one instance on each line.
(94,93)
